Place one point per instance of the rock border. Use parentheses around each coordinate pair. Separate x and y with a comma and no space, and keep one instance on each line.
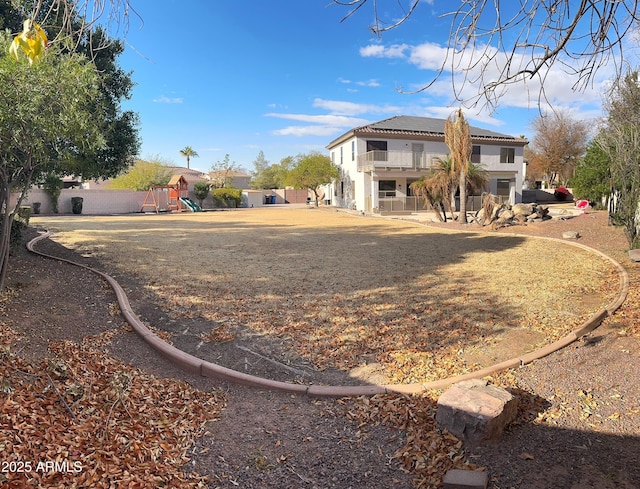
(196,365)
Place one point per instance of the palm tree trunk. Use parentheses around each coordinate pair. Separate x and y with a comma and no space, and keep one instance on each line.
(463,197)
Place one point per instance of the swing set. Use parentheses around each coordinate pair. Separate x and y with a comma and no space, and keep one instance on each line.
(172,197)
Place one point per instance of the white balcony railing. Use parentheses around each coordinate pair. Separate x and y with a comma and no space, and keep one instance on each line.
(395,160)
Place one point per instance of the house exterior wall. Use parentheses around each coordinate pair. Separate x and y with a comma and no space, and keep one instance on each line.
(358,190)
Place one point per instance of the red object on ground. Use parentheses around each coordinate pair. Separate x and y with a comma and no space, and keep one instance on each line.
(582,204)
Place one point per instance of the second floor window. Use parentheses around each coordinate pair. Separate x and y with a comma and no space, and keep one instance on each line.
(378,149)
(353,151)
(507,155)
(475,154)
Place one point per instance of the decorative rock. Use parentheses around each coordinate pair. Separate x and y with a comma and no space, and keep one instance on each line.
(465,479)
(474,411)
(571,235)
(522,209)
(506,215)
(634,255)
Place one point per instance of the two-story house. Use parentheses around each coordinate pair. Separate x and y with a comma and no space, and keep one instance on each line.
(379,161)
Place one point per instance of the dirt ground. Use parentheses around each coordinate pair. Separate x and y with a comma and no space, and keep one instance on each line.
(582,428)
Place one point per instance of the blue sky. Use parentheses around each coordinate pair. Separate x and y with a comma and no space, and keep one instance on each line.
(286,77)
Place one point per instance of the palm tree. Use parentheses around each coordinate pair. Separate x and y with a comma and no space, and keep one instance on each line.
(438,187)
(458,137)
(188,153)
(477,178)
(443,178)
(421,188)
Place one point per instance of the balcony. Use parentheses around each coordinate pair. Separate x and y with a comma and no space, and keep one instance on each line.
(396,160)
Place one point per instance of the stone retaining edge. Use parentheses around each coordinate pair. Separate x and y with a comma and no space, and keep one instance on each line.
(196,365)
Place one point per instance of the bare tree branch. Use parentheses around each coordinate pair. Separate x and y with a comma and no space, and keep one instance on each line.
(494,44)
(77,19)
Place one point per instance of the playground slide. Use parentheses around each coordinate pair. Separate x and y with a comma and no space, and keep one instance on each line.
(193,207)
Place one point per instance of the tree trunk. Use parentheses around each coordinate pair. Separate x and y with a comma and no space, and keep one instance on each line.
(5,233)
(7,220)
(452,203)
(463,197)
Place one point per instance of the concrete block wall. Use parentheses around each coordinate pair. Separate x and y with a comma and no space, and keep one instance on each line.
(106,202)
(102,202)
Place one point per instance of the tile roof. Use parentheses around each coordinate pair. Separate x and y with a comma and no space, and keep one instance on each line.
(404,125)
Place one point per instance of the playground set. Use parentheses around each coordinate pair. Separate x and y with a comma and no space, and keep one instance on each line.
(173,197)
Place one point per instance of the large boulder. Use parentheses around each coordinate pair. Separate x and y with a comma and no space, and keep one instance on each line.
(523,209)
(475,411)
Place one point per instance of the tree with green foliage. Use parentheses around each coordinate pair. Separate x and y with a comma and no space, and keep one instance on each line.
(222,173)
(118,128)
(142,176)
(201,191)
(592,180)
(53,185)
(266,175)
(259,177)
(188,152)
(47,118)
(312,171)
(620,141)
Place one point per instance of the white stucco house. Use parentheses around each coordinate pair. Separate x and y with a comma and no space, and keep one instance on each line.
(379,161)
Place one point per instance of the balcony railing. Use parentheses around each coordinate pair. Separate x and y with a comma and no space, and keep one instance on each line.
(396,160)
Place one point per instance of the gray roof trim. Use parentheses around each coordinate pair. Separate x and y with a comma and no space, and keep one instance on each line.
(404,125)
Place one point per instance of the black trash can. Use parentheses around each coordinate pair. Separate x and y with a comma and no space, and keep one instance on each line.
(76,205)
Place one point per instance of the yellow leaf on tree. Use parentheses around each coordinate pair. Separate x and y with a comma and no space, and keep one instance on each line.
(32,41)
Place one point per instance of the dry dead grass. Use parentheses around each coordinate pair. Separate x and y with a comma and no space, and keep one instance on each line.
(349,290)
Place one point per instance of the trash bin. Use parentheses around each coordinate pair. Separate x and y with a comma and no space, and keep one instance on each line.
(273,199)
(76,205)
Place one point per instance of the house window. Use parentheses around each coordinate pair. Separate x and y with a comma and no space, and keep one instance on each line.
(353,151)
(386,188)
(503,187)
(341,158)
(333,157)
(475,154)
(378,149)
(507,155)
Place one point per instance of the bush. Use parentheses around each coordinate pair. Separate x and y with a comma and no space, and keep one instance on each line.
(53,187)
(201,190)
(227,197)
(17,229)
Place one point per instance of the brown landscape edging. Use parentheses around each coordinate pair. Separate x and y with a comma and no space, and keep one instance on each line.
(203,368)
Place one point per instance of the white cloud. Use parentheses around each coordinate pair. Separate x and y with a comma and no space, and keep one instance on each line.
(316,125)
(168,100)
(341,107)
(325,120)
(300,131)
(380,51)
(463,74)
(364,83)
(369,83)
